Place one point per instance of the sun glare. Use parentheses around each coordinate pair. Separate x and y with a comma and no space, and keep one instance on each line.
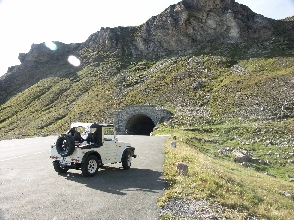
(51,45)
(74,60)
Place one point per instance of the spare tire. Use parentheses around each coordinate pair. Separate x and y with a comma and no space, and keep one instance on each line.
(65,145)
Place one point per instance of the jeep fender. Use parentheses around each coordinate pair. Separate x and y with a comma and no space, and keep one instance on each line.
(128,149)
(95,153)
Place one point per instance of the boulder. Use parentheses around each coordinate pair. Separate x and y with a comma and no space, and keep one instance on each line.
(240,156)
(182,168)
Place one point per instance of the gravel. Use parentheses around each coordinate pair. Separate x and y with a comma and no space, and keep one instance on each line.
(199,209)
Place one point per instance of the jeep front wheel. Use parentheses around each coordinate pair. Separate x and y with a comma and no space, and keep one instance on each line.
(58,168)
(126,160)
(90,166)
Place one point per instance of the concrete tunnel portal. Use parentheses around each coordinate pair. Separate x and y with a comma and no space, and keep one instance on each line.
(139,119)
(140,125)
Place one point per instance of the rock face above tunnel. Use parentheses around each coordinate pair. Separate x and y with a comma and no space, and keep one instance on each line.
(139,119)
(183,26)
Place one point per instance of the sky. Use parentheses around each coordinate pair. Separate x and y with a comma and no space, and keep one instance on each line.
(27,22)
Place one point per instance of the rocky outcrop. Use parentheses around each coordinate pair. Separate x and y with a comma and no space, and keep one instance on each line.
(179,29)
(40,53)
(182,26)
(39,63)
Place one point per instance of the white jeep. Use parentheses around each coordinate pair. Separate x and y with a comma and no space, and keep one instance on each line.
(89,146)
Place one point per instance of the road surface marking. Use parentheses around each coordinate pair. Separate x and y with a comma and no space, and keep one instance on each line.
(40,152)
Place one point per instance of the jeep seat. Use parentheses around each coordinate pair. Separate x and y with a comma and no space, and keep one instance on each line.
(78,138)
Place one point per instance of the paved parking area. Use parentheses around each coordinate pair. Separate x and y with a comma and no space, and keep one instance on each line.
(31,189)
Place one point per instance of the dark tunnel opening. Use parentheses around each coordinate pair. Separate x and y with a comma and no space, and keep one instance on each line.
(140,125)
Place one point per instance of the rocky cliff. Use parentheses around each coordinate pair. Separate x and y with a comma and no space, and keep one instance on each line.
(182,27)
(178,29)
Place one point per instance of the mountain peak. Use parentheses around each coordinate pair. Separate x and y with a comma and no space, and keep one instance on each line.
(182,26)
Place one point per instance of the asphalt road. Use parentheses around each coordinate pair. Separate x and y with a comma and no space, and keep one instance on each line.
(31,189)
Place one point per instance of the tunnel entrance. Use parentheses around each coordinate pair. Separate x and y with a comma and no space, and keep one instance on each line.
(140,125)
(139,119)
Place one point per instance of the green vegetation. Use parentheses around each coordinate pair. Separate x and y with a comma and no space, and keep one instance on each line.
(214,175)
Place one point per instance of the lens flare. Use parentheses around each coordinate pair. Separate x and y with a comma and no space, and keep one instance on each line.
(74,60)
(51,45)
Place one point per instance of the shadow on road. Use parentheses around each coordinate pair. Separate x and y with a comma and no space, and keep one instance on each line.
(118,181)
(1,214)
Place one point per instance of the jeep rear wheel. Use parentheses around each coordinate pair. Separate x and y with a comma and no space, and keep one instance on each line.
(90,166)
(58,168)
(65,145)
(126,160)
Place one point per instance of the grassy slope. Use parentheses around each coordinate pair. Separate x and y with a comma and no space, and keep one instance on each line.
(216,177)
(204,80)
(94,92)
